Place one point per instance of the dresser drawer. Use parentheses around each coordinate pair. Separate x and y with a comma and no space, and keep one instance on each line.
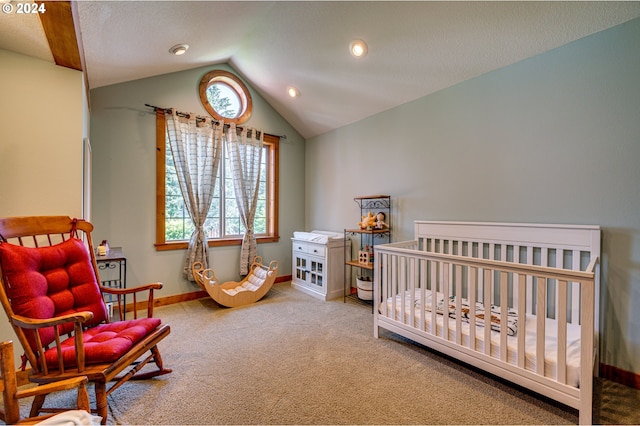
(300,247)
(316,249)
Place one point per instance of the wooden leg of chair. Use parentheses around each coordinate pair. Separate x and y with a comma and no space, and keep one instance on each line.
(37,404)
(101,400)
(83,398)
(156,357)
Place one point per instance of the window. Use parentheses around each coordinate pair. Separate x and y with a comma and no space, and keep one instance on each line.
(225,97)
(223,225)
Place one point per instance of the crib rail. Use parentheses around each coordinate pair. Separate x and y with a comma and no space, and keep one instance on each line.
(455,284)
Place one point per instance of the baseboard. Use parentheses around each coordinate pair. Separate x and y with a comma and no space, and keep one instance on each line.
(283,279)
(185,297)
(618,375)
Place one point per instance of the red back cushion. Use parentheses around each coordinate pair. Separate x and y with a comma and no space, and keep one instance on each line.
(49,281)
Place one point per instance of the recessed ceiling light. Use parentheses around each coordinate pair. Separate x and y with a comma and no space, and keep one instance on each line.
(179,49)
(358,48)
(293,92)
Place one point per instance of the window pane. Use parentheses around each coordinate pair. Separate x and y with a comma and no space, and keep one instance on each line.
(178,226)
(224,99)
(178,229)
(212,227)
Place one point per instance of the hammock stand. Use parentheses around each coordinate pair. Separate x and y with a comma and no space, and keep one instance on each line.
(233,294)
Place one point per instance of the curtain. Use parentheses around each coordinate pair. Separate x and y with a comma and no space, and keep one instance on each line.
(245,156)
(196,147)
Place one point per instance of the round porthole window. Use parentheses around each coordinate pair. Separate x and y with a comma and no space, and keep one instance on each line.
(225,97)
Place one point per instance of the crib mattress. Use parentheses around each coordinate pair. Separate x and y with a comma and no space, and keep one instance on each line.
(551,341)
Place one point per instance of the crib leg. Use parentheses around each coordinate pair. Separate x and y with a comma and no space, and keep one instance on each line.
(375,328)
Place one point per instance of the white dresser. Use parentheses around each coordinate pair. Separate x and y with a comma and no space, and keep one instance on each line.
(317,260)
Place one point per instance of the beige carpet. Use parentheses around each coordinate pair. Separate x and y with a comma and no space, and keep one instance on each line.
(291,359)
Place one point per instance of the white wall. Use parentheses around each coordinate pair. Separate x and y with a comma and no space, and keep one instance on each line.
(552,139)
(42,117)
(123,138)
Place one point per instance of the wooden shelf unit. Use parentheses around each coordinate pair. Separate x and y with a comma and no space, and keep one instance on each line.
(364,239)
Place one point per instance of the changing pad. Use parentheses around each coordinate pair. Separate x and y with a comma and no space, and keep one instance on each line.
(321,237)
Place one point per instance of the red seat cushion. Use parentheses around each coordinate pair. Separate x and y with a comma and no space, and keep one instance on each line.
(105,342)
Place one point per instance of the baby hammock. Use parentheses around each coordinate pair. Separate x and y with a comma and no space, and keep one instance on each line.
(233,294)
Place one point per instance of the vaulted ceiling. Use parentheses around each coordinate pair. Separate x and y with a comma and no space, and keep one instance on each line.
(415,48)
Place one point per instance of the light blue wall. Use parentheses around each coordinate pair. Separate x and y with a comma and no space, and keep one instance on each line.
(123,139)
(552,139)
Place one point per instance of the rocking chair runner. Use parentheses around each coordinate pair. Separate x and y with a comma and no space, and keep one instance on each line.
(233,294)
(50,288)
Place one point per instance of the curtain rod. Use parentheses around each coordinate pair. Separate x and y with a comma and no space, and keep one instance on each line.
(199,118)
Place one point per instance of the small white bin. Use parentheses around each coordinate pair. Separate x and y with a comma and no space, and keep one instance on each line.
(365,288)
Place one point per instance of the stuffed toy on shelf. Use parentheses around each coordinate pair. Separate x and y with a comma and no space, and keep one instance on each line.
(368,221)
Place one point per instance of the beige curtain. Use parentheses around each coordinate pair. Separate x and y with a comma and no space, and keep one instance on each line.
(196,147)
(245,155)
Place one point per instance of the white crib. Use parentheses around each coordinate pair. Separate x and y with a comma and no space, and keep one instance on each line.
(539,284)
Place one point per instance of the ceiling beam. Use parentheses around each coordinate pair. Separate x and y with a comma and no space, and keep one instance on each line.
(59,27)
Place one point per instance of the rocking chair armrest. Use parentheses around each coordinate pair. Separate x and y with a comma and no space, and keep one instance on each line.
(35,323)
(121,292)
(125,291)
(60,385)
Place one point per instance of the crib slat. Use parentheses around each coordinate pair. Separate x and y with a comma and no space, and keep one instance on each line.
(529,257)
(402,286)
(504,310)
(388,277)
(541,309)
(488,274)
(411,273)
(473,278)
(562,332)
(444,270)
(458,303)
(516,290)
(503,258)
(434,297)
(575,290)
(522,322)
(492,256)
(394,283)
(544,261)
(381,273)
(481,274)
(423,290)
(559,264)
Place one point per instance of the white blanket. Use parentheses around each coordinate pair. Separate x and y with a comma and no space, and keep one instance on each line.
(72,418)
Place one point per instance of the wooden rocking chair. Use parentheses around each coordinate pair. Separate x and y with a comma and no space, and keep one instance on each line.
(233,294)
(50,289)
